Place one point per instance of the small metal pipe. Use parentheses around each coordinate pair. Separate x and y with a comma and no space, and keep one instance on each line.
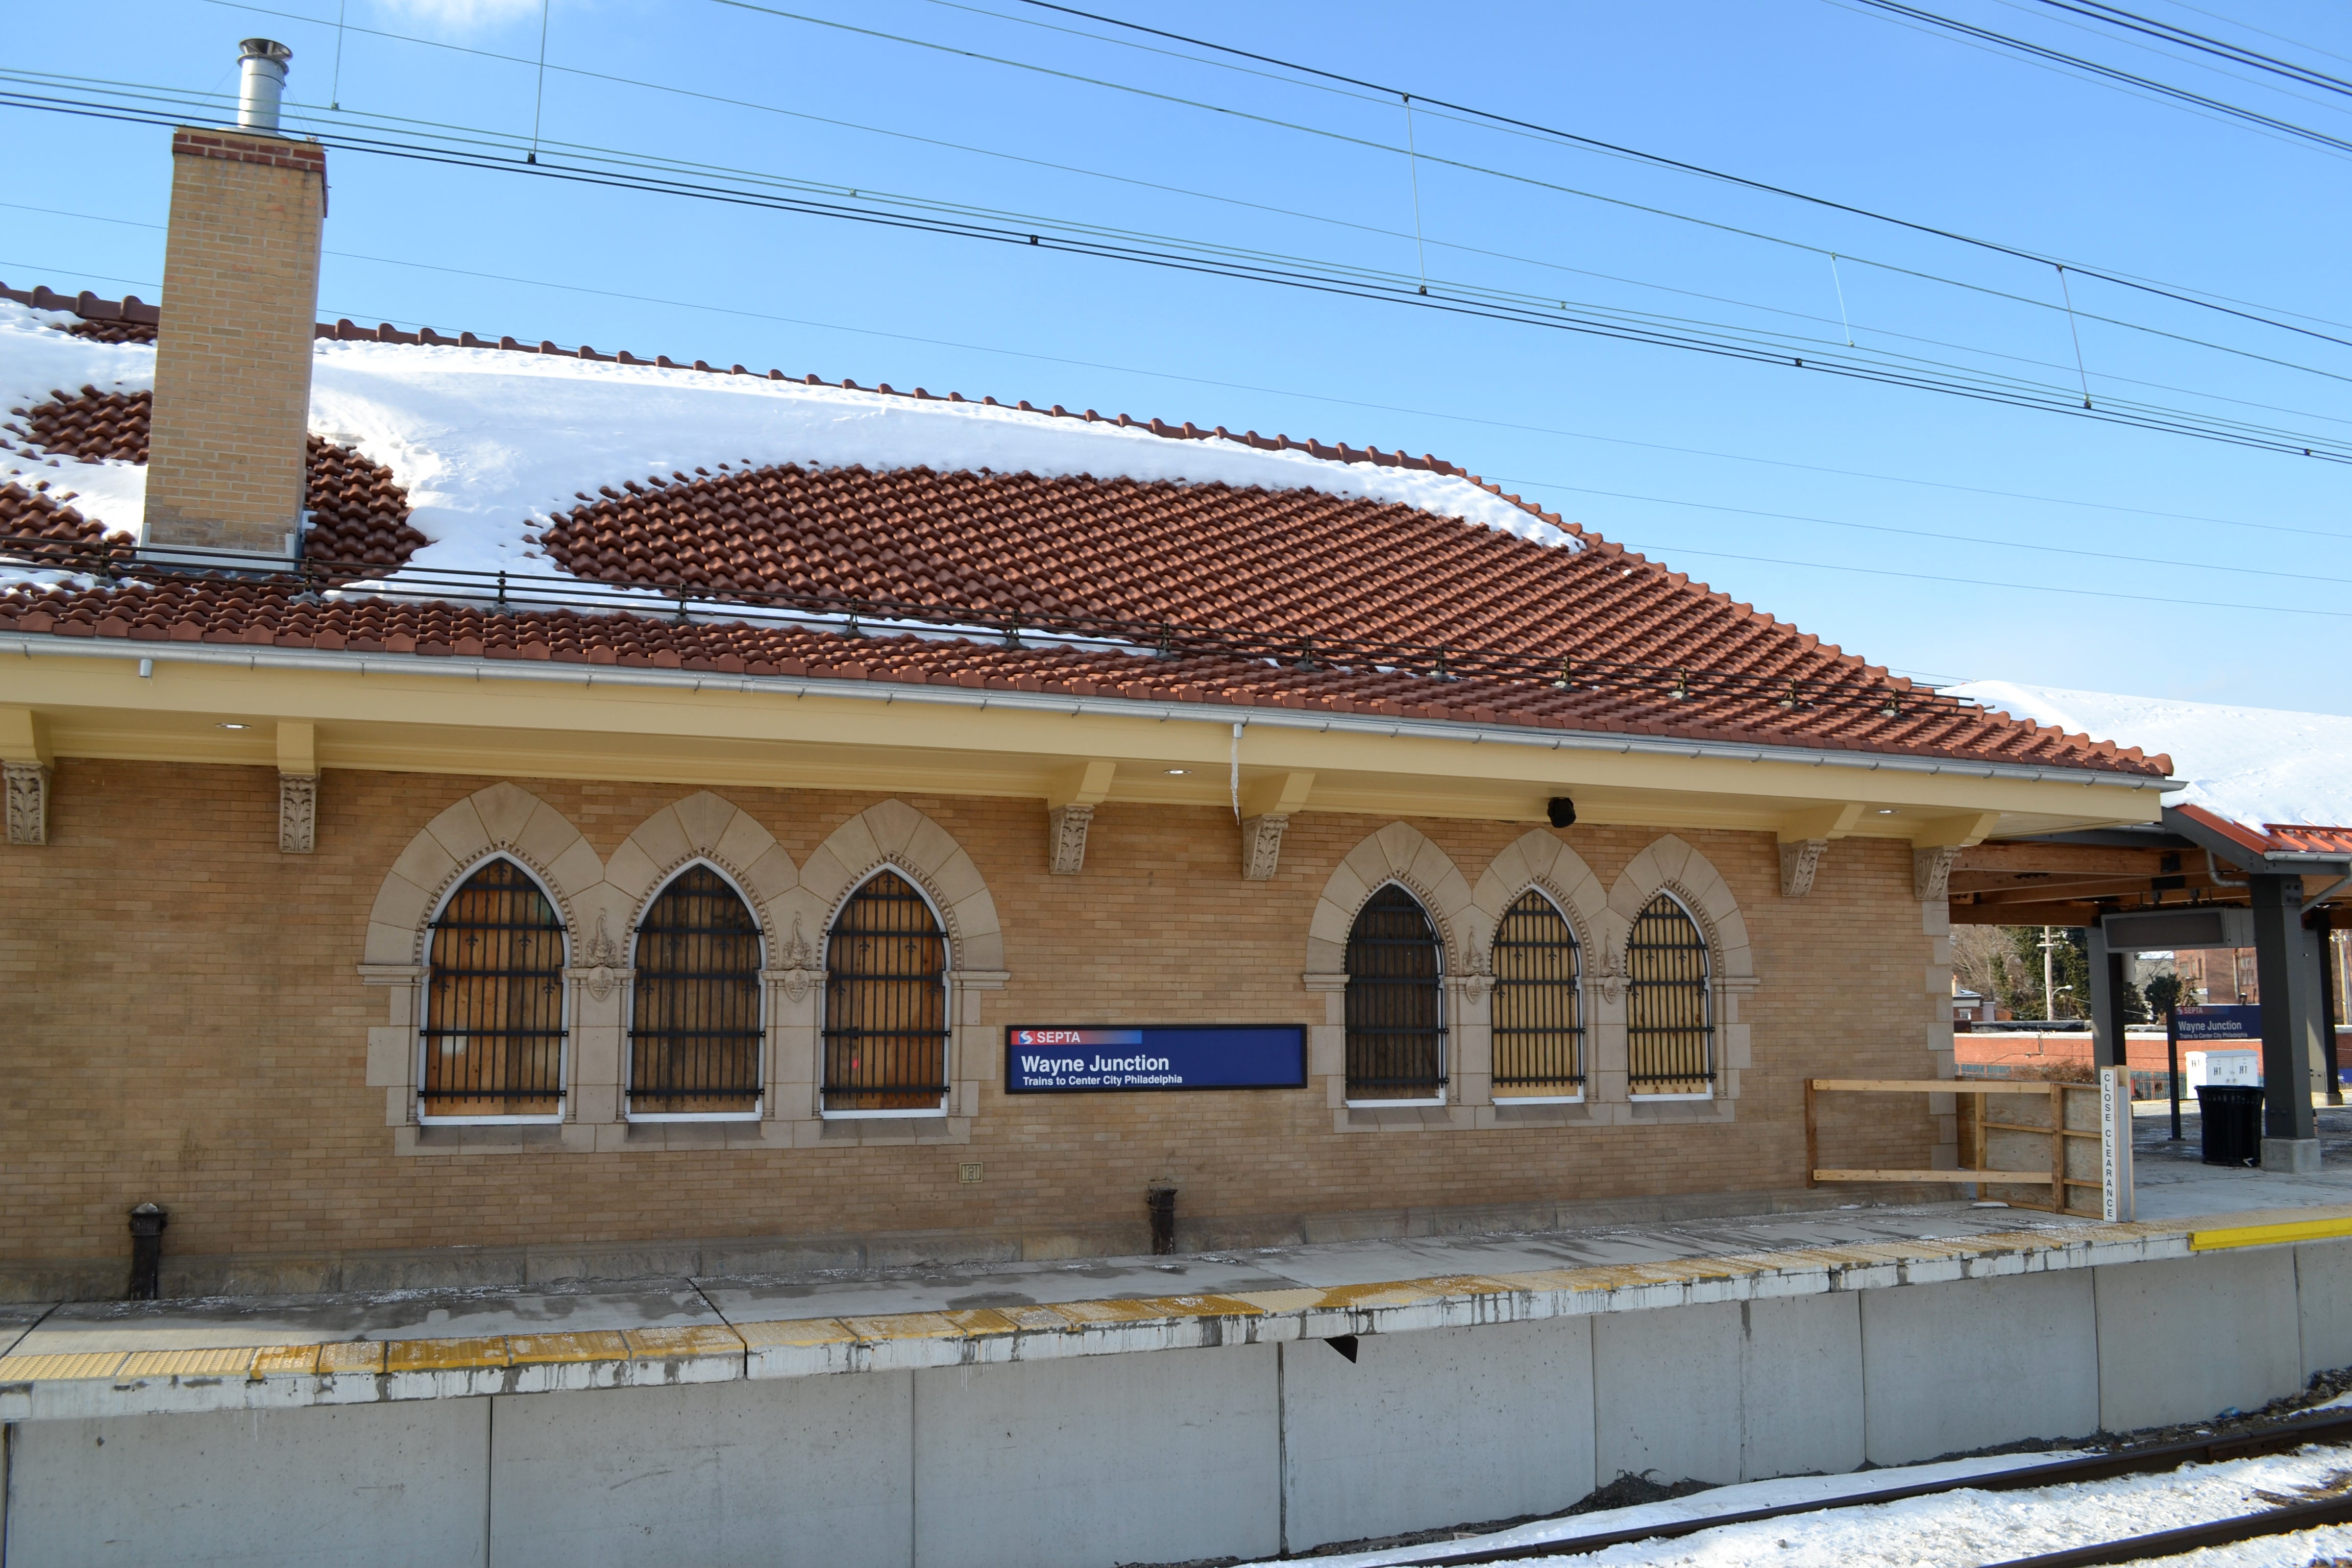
(2213,869)
(261,84)
(147,1223)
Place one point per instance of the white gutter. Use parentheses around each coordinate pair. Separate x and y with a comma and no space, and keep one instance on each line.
(457,667)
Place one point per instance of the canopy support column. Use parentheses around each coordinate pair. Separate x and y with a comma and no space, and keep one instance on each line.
(2287,970)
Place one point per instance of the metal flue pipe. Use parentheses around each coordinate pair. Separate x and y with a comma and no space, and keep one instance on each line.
(261,84)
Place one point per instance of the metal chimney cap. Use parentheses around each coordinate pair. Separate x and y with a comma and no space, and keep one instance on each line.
(264,49)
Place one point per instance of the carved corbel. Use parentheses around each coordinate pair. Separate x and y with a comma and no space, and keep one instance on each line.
(1798,861)
(1931,873)
(1070,810)
(28,803)
(25,750)
(1267,804)
(298,787)
(1262,846)
(1066,838)
(297,813)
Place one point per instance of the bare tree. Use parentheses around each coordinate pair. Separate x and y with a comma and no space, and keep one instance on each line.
(1980,958)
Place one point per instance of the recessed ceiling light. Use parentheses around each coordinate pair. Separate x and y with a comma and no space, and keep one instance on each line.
(1887,811)
(236,726)
(1180,770)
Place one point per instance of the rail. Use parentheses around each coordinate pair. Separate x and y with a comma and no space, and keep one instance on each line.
(2290,1434)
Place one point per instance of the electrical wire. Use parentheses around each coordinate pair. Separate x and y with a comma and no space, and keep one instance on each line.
(2180,292)
(2146,84)
(2115,15)
(1269,391)
(477,149)
(2004,295)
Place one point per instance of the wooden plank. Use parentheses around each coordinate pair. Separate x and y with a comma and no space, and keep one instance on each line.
(2092,858)
(2058,1143)
(2013,1127)
(1812,1136)
(1994,1178)
(1928,1086)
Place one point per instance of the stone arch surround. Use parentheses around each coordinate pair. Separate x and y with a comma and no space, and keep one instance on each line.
(1670,865)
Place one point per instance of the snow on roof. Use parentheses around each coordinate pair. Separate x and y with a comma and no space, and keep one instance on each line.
(2259,766)
(488,443)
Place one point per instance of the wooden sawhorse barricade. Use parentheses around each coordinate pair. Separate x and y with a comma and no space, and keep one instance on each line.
(2077,1134)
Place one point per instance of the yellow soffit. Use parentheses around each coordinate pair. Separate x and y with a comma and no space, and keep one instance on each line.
(173,702)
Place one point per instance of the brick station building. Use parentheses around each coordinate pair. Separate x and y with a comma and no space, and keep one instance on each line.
(488,811)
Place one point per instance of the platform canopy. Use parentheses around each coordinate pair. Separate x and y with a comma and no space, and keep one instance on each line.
(2254,849)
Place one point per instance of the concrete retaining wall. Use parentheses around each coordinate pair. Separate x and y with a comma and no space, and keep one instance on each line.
(1173,1455)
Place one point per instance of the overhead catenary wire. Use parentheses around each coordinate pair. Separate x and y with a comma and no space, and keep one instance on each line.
(2069,295)
(2171,33)
(2180,292)
(1554,187)
(1449,416)
(2112,73)
(539,94)
(492,151)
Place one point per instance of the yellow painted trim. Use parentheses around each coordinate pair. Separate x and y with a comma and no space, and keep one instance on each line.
(2269,1235)
(1821,822)
(1088,784)
(297,748)
(24,737)
(721,736)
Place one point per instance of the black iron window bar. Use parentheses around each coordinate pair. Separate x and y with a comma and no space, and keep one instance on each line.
(695,1034)
(513,592)
(1669,1024)
(1395,1003)
(493,1034)
(885,1002)
(1539,1014)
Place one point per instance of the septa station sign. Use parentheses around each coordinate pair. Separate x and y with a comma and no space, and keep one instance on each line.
(1039,1060)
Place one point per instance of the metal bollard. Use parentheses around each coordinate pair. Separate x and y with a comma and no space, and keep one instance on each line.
(147,1223)
(1160,1203)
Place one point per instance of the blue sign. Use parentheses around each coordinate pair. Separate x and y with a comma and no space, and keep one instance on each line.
(1039,1060)
(2222,1023)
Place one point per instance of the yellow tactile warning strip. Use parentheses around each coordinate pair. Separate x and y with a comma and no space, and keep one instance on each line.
(2271,1234)
(841,1343)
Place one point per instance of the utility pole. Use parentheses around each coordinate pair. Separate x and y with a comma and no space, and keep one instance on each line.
(2049,993)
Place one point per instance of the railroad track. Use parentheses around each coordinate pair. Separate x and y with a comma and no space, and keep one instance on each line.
(2283,1520)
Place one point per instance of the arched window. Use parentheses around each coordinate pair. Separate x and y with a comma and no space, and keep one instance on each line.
(885,1003)
(493,1036)
(694,1026)
(1396,1015)
(1539,1002)
(1669,1032)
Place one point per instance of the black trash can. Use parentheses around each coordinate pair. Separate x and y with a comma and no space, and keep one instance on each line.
(2233,1118)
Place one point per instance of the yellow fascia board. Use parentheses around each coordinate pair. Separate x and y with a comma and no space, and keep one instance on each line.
(415,714)
(2270,1235)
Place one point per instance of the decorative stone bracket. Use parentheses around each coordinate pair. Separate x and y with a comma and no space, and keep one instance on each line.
(28,803)
(1931,874)
(297,813)
(1066,838)
(1262,846)
(1798,861)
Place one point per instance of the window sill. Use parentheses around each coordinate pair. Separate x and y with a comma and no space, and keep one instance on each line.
(651,1117)
(1653,1099)
(555,1118)
(1391,1104)
(904,1113)
(1502,1099)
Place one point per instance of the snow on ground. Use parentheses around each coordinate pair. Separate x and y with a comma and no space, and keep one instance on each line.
(36,361)
(2253,765)
(1948,1529)
(488,443)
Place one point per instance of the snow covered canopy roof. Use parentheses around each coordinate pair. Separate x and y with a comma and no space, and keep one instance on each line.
(2286,777)
(682,516)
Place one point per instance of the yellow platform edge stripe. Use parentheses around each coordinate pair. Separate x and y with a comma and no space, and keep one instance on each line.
(2269,1235)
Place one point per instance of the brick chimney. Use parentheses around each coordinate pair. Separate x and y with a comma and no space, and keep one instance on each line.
(228,446)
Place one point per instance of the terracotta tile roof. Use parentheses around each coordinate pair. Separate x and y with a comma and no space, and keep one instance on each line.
(359,515)
(2309,839)
(1408,613)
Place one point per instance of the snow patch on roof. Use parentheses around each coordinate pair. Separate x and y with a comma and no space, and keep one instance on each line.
(487,443)
(2253,765)
(37,360)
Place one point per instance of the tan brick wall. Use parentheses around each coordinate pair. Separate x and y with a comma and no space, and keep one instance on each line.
(185,1024)
(226,453)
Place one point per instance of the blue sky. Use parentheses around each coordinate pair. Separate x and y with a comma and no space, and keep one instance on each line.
(2198,570)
